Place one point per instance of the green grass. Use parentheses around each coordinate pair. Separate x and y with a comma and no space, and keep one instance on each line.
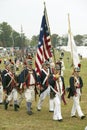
(11,120)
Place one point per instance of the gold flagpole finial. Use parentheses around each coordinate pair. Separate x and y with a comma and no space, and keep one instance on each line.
(44,3)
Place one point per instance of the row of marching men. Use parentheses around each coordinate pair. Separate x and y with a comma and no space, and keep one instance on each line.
(27,83)
(49,83)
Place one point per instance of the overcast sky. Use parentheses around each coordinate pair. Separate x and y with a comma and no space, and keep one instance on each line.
(28,13)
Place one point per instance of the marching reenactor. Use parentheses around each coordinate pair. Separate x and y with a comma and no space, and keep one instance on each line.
(1,87)
(10,88)
(6,70)
(62,77)
(3,72)
(76,84)
(43,84)
(21,80)
(51,103)
(0,65)
(28,79)
(56,85)
(1,90)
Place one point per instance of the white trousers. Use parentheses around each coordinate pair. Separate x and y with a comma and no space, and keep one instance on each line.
(51,104)
(43,95)
(30,94)
(21,97)
(1,94)
(13,95)
(57,108)
(76,104)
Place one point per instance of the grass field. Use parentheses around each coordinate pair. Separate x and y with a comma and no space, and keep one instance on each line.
(11,120)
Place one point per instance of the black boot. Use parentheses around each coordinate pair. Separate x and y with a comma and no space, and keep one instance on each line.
(6,105)
(29,112)
(16,106)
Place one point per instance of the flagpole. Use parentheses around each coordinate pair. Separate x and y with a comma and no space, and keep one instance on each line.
(13,43)
(22,47)
(13,50)
(45,12)
(69,32)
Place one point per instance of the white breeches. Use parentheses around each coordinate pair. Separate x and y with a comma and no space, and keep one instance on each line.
(30,94)
(76,104)
(51,104)
(57,108)
(13,95)
(43,95)
(1,94)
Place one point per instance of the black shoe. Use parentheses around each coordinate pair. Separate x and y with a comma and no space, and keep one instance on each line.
(60,120)
(1,103)
(16,106)
(82,117)
(74,116)
(38,109)
(29,112)
(6,105)
(11,105)
(51,111)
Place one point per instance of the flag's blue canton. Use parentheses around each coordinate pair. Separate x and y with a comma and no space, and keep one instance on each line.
(43,31)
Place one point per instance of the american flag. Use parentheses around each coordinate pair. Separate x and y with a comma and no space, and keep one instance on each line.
(44,45)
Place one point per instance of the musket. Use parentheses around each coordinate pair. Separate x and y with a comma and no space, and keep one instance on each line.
(63,98)
(62,94)
(36,93)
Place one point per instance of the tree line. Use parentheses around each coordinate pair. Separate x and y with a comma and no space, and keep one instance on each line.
(11,38)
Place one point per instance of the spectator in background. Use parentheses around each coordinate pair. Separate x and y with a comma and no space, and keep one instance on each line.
(62,54)
(62,66)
